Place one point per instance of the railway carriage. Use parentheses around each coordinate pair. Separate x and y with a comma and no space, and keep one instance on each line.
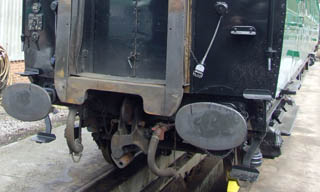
(203,76)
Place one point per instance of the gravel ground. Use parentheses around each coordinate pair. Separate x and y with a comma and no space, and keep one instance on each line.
(12,130)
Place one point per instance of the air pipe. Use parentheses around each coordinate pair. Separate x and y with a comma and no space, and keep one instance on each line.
(153,145)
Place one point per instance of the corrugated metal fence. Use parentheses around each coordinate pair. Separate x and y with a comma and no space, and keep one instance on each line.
(10,28)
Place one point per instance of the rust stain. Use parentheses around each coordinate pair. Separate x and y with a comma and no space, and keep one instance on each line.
(152,94)
(60,73)
(176,5)
(71,101)
(188,46)
(67,2)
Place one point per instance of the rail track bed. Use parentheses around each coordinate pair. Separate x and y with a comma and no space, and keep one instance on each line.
(196,173)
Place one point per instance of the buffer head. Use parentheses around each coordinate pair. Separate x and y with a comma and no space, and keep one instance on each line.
(26,102)
(211,126)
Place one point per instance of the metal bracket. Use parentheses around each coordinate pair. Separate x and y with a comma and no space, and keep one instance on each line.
(243,30)
(257,94)
(137,138)
(35,22)
(121,141)
(292,88)
(30,72)
(47,136)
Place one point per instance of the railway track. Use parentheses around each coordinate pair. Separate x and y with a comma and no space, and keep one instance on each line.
(196,173)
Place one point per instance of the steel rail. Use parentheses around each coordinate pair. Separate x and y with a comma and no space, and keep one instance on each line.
(87,186)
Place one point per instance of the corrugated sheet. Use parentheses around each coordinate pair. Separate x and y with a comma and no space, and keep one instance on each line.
(10,28)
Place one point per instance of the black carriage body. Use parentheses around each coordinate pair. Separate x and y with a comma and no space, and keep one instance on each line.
(238,62)
(129,39)
(38,38)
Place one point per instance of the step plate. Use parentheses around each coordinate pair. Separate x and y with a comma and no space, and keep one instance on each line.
(43,137)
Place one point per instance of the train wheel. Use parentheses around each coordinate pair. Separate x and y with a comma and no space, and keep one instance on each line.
(106,152)
(105,143)
(102,130)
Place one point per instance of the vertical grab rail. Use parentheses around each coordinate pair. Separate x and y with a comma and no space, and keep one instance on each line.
(270,51)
